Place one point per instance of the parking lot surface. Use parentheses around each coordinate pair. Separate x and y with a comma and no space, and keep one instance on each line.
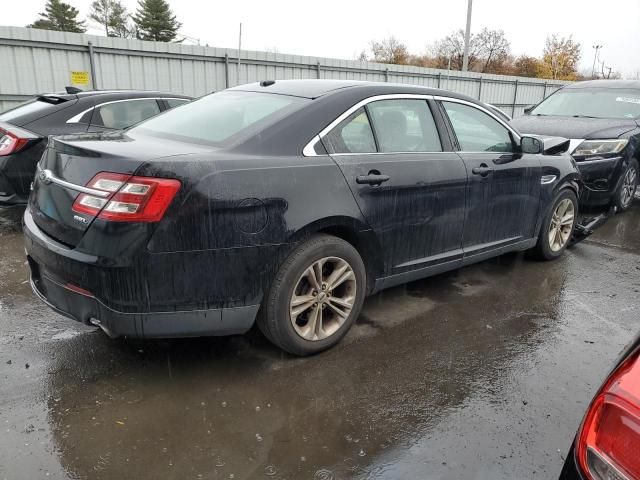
(482,373)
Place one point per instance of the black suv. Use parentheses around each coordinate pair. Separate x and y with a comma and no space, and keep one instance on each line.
(24,129)
(601,117)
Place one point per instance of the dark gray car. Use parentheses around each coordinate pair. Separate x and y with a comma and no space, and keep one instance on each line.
(24,129)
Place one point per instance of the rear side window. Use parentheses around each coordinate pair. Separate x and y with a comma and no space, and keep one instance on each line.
(404,126)
(119,115)
(32,110)
(476,131)
(352,135)
(176,102)
(219,116)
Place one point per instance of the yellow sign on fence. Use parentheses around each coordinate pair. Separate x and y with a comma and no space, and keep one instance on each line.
(79,78)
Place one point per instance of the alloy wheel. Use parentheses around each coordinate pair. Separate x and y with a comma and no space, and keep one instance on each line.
(628,187)
(561,224)
(323,298)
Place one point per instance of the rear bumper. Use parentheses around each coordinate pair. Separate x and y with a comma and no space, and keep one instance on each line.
(55,270)
(88,309)
(17,172)
(8,195)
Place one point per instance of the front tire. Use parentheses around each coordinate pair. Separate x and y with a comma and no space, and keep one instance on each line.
(315,297)
(623,197)
(557,227)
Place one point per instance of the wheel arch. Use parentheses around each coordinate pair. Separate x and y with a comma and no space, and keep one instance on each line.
(572,184)
(354,232)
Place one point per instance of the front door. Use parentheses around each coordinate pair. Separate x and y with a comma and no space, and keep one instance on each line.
(411,192)
(503,193)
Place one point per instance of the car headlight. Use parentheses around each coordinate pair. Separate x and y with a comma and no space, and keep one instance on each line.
(593,148)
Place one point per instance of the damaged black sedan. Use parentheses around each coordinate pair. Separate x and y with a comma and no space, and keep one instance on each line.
(602,120)
(286,203)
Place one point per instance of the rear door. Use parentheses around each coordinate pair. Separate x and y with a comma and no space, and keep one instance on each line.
(503,192)
(408,187)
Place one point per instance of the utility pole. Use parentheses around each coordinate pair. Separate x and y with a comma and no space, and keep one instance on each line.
(467,39)
(595,57)
(239,48)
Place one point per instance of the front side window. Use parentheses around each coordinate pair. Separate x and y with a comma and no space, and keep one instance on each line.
(119,115)
(213,119)
(404,126)
(476,131)
(352,135)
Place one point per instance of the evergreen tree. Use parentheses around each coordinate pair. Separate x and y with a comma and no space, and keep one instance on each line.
(155,21)
(113,16)
(59,16)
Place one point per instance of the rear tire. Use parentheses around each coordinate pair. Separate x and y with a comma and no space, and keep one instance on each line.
(623,197)
(557,227)
(315,297)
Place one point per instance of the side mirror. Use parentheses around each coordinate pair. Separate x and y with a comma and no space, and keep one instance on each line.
(531,145)
(528,108)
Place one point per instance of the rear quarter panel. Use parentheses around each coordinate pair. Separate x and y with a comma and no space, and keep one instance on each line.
(235,219)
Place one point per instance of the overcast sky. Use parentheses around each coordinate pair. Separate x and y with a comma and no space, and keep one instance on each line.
(343,28)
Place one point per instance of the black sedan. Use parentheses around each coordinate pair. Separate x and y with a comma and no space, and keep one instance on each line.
(286,202)
(24,129)
(607,445)
(601,118)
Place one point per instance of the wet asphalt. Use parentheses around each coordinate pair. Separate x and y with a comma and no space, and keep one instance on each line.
(482,373)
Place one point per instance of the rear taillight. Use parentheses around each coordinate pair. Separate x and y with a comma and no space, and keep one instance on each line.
(608,444)
(11,142)
(131,199)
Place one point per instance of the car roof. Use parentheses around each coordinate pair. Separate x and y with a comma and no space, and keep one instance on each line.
(317,88)
(125,93)
(114,93)
(634,84)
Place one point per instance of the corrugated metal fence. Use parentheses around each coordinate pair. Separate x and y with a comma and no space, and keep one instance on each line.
(36,61)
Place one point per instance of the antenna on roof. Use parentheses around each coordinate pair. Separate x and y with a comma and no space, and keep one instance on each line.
(72,90)
(267,83)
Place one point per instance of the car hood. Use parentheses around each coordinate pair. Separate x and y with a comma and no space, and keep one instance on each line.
(572,127)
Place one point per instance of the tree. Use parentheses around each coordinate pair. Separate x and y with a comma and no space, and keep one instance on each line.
(425,60)
(113,16)
(560,58)
(489,51)
(59,16)
(526,66)
(155,21)
(388,50)
(451,48)
(493,51)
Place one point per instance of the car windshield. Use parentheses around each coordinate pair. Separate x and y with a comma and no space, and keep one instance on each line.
(217,117)
(592,102)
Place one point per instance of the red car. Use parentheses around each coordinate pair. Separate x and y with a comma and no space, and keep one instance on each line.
(607,446)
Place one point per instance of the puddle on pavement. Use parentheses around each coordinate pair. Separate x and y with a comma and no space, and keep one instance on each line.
(238,408)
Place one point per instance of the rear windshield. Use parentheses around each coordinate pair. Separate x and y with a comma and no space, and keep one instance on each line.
(216,118)
(592,102)
(27,109)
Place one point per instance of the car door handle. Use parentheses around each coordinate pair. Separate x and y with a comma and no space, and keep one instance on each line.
(373,178)
(483,170)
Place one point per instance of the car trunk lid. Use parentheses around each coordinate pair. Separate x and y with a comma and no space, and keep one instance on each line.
(68,165)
